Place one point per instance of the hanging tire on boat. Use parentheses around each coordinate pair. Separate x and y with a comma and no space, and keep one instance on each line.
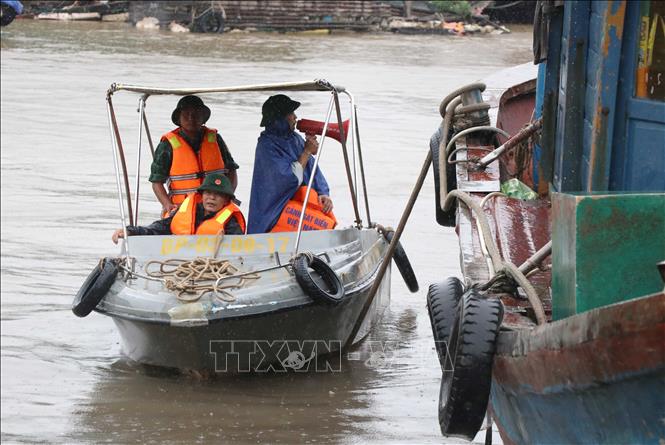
(446,219)
(443,307)
(334,292)
(465,390)
(95,287)
(403,263)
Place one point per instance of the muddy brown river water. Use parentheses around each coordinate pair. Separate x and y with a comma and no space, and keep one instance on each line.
(64,379)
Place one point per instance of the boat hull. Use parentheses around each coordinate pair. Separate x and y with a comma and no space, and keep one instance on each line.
(271,323)
(552,385)
(253,343)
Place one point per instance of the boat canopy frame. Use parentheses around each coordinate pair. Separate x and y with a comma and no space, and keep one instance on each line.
(319,85)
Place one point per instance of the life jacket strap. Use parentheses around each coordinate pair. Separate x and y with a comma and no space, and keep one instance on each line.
(183,191)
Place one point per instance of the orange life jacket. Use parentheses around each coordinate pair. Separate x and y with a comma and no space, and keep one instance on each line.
(185,218)
(188,168)
(314,219)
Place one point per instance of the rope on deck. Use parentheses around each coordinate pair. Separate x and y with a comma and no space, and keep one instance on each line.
(191,279)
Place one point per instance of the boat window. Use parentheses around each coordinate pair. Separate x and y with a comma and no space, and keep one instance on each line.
(650,78)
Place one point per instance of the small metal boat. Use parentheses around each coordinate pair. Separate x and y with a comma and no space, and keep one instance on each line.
(274,301)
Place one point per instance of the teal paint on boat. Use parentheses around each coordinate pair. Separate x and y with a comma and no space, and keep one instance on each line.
(607,249)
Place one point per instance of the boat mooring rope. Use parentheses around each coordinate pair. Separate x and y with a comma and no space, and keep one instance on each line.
(448,108)
(191,279)
(502,269)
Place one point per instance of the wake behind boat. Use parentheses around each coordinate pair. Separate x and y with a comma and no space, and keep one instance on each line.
(245,302)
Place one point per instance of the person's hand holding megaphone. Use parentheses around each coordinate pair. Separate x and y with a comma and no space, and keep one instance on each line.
(311,144)
(311,149)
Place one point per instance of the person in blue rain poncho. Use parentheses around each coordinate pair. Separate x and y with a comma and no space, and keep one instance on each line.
(283,163)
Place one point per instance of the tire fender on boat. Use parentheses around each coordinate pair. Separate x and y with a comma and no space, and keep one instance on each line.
(335,288)
(95,287)
(403,263)
(443,307)
(446,219)
(465,389)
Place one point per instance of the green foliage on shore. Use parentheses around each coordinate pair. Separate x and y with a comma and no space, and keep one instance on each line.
(458,7)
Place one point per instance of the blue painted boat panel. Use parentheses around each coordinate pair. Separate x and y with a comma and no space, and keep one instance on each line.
(587,141)
(595,27)
(625,412)
(538,113)
(648,110)
(606,93)
(645,169)
(593,65)
(550,99)
(570,112)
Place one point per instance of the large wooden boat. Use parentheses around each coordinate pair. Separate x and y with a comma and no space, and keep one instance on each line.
(559,323)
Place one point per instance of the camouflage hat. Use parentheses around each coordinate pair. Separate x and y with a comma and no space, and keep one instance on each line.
(277,106)
(190,102)
(217,183)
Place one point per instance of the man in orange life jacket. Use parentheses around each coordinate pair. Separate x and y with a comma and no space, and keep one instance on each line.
(283,164)
(215,213)
(188,153)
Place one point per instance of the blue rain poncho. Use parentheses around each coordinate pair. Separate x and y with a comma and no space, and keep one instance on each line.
(273,181)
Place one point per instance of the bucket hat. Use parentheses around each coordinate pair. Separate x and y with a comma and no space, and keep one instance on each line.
(190,102)
(216,182)
(277,106)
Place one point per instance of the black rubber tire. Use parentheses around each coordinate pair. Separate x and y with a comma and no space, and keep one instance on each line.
(403,263)
(7,14)
(210,22)
(465,391)
(335,292)
(95,287)
(446,219)
(443,307)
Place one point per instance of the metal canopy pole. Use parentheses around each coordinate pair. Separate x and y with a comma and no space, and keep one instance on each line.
(355,133)
(342,138)
(147,130)
(311,177)
(138,159)
(353,144)
(114,147)
(121,152)
(362,168)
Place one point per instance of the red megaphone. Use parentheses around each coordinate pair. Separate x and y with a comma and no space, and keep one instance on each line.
(316,127)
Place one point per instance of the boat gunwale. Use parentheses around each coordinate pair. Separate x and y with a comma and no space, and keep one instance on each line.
(357,286)
(210,321)
(583,327)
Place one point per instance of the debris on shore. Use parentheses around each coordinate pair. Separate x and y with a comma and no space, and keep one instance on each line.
(404,17)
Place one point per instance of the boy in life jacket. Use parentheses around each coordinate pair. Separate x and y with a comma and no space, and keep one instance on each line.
(283,165)
(208,211)
(187,154)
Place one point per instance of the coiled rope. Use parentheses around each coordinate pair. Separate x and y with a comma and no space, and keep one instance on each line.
(309,255)
(191,279)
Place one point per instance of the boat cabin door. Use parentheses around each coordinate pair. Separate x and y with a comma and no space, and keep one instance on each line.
(638,152)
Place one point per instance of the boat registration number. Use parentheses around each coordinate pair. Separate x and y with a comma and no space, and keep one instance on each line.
(206,244)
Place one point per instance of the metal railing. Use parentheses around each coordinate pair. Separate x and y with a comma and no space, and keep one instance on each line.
(130,215)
